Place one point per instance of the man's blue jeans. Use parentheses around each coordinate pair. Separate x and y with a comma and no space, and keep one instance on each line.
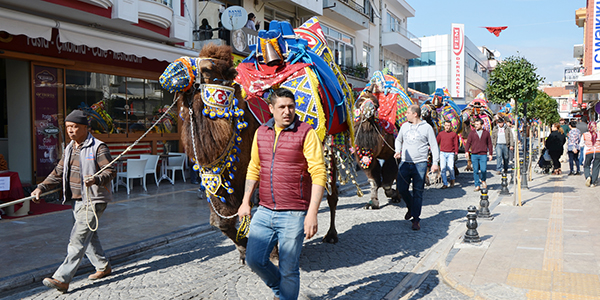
(447,165)
(479,162)
(502,157)
(267,228)
(414,172)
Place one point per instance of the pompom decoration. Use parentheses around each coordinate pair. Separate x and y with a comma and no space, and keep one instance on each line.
(365,157)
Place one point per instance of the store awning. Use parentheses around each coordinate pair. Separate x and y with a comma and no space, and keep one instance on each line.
(591,83)
(17,23)
(80,35)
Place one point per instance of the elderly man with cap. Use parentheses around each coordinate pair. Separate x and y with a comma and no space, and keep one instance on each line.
(83,157)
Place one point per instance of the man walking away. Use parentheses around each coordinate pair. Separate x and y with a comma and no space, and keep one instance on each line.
(448,142)
(413,143)
(287,159)
(478,144)
(503,143)
(573,139)
(82,158)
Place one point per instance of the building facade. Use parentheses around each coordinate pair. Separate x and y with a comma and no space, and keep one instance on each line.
(102,56)
(451,61)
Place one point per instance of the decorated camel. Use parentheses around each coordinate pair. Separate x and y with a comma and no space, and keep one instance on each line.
(438,109)
(378,113)
(222,108)
(476,109)
(299,60)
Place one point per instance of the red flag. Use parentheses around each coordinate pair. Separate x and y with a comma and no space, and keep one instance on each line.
(496,30)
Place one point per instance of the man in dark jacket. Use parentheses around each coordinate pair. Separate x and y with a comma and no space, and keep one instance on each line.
(502,139)
(287,159)
(478,144)
(83,157)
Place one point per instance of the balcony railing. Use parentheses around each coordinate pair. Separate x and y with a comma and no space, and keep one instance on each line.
(355,71)
(403,31)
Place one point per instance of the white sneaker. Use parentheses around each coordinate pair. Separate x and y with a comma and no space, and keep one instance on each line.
(592,185)
(588,181)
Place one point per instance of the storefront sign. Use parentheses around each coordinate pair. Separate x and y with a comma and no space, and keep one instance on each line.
(241,40)
(457,66)
(55,48)
(596,37)
(46,89)
(572,74)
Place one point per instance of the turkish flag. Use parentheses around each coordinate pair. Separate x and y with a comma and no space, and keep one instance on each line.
(496,30)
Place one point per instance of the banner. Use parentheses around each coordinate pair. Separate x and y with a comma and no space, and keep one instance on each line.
(596,37)
(457,67)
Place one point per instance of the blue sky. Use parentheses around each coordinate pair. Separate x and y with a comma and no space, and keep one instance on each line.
(542,31)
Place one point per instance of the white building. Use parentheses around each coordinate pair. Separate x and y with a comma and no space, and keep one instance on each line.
(365,35)
(464,77)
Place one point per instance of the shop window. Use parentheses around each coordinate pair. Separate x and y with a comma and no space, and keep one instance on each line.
(427,87)
(3,102)
(119,105)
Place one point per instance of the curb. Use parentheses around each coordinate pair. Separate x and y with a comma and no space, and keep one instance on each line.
(447,277)
(118,254)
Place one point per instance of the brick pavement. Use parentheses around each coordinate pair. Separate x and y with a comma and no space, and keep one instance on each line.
(376,251)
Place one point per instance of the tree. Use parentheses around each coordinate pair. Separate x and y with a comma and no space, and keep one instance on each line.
(544,108)
(513,78)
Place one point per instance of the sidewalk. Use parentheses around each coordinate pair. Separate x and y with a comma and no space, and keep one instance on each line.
(549,248)
(33,247)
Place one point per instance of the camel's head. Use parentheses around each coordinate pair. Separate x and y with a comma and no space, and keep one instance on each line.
(366,105)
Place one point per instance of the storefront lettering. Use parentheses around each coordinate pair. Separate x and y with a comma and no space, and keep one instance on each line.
(99,52)
(45,95)
(127,57)
(596,62)
(38,42)
(68,47)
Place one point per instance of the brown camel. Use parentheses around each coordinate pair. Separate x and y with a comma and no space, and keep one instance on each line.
(372,143)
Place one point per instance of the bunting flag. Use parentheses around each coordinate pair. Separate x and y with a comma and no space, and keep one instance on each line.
(496,30)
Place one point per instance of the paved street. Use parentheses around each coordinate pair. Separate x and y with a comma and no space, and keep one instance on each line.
(376,251)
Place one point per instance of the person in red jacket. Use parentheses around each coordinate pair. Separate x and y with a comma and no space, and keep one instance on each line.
(478,144)
(448,141)
(287,159)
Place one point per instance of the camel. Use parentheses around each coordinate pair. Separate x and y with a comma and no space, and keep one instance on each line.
(379,111)
(217,130)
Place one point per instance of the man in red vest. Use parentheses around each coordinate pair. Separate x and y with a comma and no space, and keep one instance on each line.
(287,159)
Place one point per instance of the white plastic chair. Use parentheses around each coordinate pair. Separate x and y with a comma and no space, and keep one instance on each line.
(176,164)
(135,169)
(151,165)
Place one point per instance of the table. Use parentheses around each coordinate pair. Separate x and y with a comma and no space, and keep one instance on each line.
(15,193)
(164,160)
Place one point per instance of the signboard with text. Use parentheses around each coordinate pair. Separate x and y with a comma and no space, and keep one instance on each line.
(596,37)
(47,85)
(457,66)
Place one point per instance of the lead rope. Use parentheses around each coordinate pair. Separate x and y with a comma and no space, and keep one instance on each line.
(88,203)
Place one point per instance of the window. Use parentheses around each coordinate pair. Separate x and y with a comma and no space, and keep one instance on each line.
(394,24)
(369,10)
(426,59)
(273,14)
(342,46)
(119,104)
(476,67)
(367,56)
(427,87)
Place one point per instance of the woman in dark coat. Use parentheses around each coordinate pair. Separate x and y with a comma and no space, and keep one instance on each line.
(554,144)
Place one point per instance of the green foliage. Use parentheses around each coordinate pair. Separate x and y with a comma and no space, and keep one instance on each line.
(544,108)
(514,78)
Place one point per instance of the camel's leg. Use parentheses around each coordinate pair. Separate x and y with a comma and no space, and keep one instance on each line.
(388,174)
(456,171)
(332,236)
(227,227)
(374,175)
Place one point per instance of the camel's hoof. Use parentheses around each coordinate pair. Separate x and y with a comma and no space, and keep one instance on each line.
(395,200)
(370,205)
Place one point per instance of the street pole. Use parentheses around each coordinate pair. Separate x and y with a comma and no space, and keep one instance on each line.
(525,144)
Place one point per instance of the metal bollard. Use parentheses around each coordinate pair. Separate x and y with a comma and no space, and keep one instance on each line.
(472,236)
(484,203)
(504,190)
